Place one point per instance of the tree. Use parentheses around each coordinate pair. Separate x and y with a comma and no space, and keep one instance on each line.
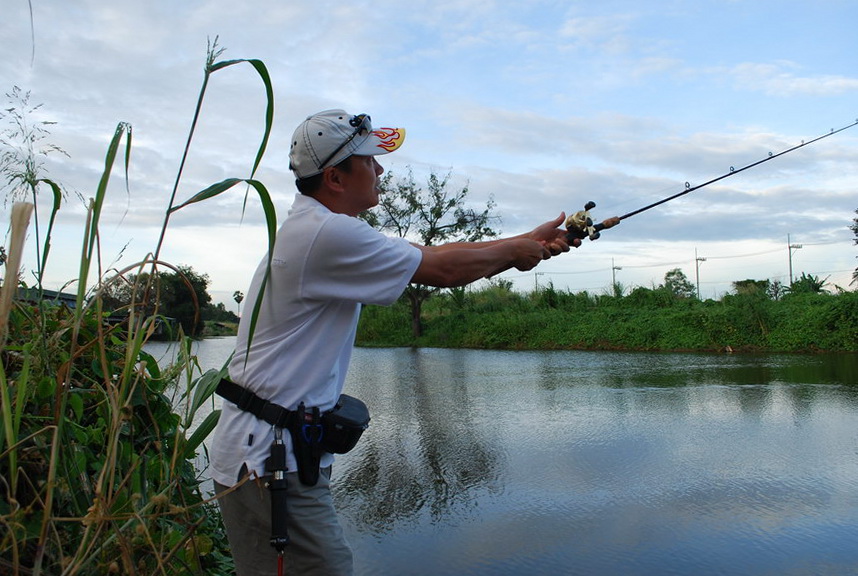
(678,284)
(181,294)
(808,284)
(752,287)
(617,289)
(218,313)
(238,296)
(432,216)
(776,289)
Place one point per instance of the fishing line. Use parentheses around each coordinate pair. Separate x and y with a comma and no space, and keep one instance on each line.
(733,171)
(580,225)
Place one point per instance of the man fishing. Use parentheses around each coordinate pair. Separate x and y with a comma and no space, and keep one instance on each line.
(289,368)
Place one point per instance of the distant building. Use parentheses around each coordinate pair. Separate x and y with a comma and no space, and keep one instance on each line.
(166,328)
(34,295)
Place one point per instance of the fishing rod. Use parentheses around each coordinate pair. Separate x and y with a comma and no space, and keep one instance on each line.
(580,225)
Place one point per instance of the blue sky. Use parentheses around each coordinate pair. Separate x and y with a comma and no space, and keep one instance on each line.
(540,105)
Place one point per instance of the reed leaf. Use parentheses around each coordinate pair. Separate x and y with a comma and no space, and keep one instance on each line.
(211,67)
(91,232)
(271,222)
(262,70)
(8,434)
(203,389)
(201,433)
(58,198)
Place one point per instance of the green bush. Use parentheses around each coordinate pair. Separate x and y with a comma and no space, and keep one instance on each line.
(644,320)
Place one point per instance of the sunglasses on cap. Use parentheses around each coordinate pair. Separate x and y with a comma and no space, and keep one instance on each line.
(360,122)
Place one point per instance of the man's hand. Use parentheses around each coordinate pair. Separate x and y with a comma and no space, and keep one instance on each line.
(527,253)
(552,235)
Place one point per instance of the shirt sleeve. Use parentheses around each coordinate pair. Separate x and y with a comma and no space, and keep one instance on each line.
(350,260)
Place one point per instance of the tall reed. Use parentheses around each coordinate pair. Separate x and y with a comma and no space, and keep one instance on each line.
(98,442)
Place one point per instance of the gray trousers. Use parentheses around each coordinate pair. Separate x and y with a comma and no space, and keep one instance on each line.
(317,543)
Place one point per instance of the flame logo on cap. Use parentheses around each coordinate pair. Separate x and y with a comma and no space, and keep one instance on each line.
(390,138)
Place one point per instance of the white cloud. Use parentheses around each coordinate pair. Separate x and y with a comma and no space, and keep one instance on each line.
(781,79)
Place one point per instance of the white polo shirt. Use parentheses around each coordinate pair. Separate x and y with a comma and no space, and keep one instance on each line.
(325,265)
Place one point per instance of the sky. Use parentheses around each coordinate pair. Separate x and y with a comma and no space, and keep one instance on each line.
(537,106)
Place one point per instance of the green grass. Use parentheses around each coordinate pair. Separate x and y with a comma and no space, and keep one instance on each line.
(507,320)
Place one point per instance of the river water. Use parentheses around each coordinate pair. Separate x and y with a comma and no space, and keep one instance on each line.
(599,463)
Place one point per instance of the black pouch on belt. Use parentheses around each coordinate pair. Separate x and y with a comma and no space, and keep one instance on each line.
(343,424)
(306,431)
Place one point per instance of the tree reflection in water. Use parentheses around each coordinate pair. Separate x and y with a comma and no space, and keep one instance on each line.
(423,453)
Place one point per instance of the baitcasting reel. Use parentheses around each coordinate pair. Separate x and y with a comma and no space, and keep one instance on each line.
(580,225)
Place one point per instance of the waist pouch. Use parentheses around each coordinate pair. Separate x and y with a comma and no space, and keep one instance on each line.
(343,424)
(336,431)
(313,432)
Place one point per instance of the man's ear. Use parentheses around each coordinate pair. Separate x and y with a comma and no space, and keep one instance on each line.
(332,178)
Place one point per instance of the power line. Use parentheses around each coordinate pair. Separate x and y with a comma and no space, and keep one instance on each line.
(772,251)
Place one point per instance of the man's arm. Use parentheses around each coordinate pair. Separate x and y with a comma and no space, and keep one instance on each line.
(460,263)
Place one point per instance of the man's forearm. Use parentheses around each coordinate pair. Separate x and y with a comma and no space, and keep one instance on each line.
(471,245)
(457,266)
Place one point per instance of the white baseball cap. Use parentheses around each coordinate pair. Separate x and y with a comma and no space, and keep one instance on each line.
(329,137)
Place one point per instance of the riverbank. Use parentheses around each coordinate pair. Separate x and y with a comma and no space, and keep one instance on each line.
(805,323)
(213,329)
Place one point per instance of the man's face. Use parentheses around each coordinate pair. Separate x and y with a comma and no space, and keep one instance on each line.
(361,184)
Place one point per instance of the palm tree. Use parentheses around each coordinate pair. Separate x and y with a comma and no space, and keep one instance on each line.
(238,297)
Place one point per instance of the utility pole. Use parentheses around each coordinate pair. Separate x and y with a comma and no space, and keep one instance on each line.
(697,261)
(791,248)
(536,276)
(613,273)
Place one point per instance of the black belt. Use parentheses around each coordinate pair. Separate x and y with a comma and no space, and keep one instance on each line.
(248,401)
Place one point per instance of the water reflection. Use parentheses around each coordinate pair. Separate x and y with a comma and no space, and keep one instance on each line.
(425,452)
(508,463)
(600,463)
